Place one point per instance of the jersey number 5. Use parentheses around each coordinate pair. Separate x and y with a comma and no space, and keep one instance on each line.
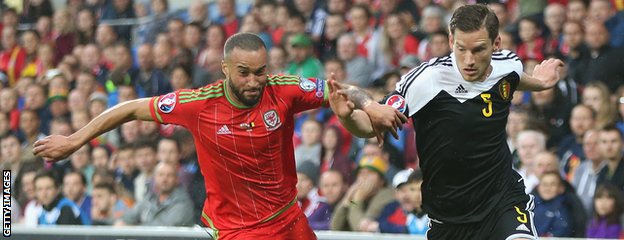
(487,111)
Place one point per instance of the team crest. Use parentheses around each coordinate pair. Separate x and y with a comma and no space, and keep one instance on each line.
(505,90)
(397,102)
(167,103)
(306,85)
(271,120)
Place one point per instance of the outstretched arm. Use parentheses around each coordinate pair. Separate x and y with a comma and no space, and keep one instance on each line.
(56,147)
(361,115)
(545,76)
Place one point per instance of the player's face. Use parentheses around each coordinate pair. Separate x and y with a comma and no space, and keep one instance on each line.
(473,52)
(246,74)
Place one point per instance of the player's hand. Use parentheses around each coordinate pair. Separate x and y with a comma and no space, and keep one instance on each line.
(385,118)
(548,72)
(54,148)
(338,102)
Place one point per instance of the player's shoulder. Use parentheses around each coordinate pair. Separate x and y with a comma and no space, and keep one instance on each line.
(505,55)
(283,80)
(210,91)
(434,65)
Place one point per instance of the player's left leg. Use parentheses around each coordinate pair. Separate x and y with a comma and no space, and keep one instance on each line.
(515,222)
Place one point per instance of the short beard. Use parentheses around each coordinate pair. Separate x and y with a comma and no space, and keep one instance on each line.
(241,97)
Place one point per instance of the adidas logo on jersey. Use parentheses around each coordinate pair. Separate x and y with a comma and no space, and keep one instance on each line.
(224,130)
(523,227)
(461,89)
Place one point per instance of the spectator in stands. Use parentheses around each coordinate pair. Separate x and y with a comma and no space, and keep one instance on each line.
(151,81)
(160,17)
(107,207)
(167,206)
(576,10)
(603,63)
(303,63)
(8,106)
(314,15)
(29,129)
(145,158)
(120,9)
(26,196)
(366,39)
(606,222)
(193,33)
(550,111)
(507,42)
(86,26)
(570,149)
(197,12)
(554,17)
(432,20)
(180,77)
(584,179)
(396,42)
(175,32)
(101,157)
(163,57)
(310,147)
(530,143)
(611,145)
(332,186)
(252,23)
(30,42)
(438,44)
(532,42)
(596,96)
(64,34)
(332,157)
(365,199)
(91,62)
(11,152)
(125,167)
(169,151)
(75,190)
(77,101)
(552,217)
(313,205)
(13,56)
(504,18)
(398,216)
(516,122)
(105,35)
(57,210)
(335,25)
(337,67)
(5,127)
(358,68)
(227,18)
(604,12)
(278,58)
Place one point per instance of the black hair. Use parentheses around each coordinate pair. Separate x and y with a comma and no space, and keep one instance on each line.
(243,41)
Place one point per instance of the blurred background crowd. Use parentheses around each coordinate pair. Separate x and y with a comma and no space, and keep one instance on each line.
(63,64)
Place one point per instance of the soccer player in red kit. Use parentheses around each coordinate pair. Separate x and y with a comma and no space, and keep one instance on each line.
(242,127)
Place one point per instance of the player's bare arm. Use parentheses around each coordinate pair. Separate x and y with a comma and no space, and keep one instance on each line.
(57,147)
(361,115)
(545,76)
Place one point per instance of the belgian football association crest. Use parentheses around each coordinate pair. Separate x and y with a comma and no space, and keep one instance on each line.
(271,120)
(167,103)
(505,90)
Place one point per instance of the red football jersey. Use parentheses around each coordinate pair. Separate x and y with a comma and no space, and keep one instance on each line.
(245,153)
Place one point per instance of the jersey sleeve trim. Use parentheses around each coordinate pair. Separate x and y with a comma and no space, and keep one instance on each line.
(154,110)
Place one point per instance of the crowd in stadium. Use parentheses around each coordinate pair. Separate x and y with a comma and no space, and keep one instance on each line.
(62,67)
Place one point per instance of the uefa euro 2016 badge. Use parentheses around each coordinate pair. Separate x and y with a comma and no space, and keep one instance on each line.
(271,120)
(397,102)
(306,85)
(167,103)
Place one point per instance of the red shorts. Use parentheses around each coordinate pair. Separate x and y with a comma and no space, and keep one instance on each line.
(292,224)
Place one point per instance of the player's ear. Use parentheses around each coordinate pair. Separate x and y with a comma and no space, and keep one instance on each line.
(450,40)
(497,43)
(225,69)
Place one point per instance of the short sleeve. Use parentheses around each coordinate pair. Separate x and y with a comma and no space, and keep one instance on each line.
(303,93)
(178,107)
